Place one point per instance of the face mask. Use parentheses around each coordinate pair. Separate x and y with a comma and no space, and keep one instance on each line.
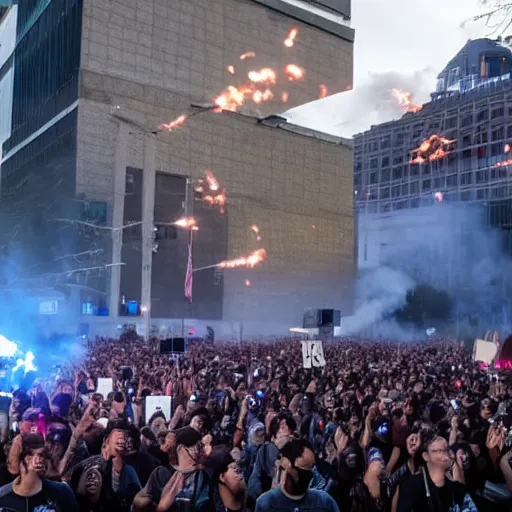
(304,479)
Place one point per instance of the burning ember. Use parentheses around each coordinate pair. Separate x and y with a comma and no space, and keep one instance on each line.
(433,148)
(260,96)
(506,149)
(247,55)
(284,97)
(250,261)
(404,99)
(255,228)
(211,180)
(247,283)
(504,163)
(231,69)
(290,40)
(439,197)
(264,76)
(232,98)
(294,72)
(179,121)
(323,91)
(186,222)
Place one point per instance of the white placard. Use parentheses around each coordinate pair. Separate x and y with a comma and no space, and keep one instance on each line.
(48,307)
(312,354)
(158,403)
(484,351)
(105,386)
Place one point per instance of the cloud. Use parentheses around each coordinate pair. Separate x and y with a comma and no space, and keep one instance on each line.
(370,103)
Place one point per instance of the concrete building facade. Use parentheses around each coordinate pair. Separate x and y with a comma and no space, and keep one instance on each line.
(143,63)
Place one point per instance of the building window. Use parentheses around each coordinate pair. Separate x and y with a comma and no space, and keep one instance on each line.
(398,160)
(385,175)
(439,183)
(451,181)
(397,173)
(374,162)
(451,123)
(415,187)
(509,132)
(465,195)
(466,178)
(481,193)
(415,202)
(497,112)
(359,165)
(467,121)
(483,115)
(373,178)
(427,185)
(386,142)
(405,189)
(481,176)
(498,134)
(385,161)
(466,141)
(395,191)
(384,193)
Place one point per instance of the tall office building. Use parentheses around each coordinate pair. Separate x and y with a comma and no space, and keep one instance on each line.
(454,150)
(93,80)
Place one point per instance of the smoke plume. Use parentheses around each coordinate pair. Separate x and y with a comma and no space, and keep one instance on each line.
(447,246)
(370,103)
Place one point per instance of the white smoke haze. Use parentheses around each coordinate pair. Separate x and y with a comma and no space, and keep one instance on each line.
(447,246)
(370,103)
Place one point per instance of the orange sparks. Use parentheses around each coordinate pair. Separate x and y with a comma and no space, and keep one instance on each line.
(247,283)
(211,180)
(231,69)
(255,228)
(232,98)
(433,148)
(404,99)
(284,97)
(250,261)
(260,96)
(264,76)
(247,55)
(323,91)
(173,124)
(294,72)
(504,163)
(290,40)
(506,149)
(186,222)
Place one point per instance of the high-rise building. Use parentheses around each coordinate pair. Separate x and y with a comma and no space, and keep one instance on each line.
(94,80)
(455,149)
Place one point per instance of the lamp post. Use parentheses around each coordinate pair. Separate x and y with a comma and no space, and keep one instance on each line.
(148,206)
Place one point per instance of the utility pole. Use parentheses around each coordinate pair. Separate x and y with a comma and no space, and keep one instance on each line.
(148,210)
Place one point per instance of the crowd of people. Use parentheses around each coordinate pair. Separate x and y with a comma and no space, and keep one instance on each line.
(381,427)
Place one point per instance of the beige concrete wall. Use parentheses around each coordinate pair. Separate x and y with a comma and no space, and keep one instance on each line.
(283,182)
(186,45)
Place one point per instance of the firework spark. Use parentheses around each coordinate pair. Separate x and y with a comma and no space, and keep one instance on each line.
(263,76)
(176,123)
(290,40)
(404,99)
(284,97)
(246,261)
(231,69)
(211,180)
(323,91)
(255,228)
(186,222)
(247,55)
(294,72)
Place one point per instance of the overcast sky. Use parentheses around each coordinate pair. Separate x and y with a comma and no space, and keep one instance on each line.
(399,43)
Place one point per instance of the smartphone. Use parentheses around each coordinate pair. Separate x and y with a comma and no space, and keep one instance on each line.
(15,426)
(454,404)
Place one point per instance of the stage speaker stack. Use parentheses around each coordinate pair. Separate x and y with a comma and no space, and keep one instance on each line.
(325,320)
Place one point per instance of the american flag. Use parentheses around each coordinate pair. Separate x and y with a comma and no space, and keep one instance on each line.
(188,275)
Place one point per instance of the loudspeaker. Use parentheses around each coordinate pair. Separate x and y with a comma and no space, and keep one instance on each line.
(166,346)
(310,319)
(178,345)
(329,317)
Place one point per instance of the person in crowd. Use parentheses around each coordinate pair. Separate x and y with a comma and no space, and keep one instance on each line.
(30,491)
(183,485)
(229,487)
(296,463)
(432,490)
(281,430)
